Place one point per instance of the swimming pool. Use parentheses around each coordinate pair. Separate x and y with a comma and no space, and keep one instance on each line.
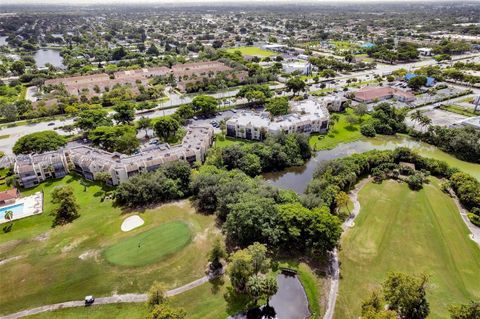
(17,209)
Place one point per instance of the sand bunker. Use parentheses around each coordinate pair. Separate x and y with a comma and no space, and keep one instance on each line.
(132,222)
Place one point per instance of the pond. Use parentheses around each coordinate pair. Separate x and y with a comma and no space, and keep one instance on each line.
(44,56)
(3,40)
(297,178)
(290,302)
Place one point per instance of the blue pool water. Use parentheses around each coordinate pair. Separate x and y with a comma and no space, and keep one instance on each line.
(16,209)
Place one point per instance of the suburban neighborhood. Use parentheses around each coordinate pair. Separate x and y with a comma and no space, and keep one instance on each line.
(240,160)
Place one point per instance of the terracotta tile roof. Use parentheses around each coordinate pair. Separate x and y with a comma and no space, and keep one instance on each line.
(8,194)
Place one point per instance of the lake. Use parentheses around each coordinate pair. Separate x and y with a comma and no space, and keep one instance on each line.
(3,40)
(290,302)
(44,56)
(297,178)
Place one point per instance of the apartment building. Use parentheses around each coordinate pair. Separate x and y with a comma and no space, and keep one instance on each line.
(307,116)
(89,161)
(97,84)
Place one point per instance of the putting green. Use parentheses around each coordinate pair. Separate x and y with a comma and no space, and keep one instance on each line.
(150,246)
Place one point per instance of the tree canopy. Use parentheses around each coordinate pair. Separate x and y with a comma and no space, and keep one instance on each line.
(39,142)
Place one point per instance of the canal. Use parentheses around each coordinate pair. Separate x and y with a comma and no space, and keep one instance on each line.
(297,178)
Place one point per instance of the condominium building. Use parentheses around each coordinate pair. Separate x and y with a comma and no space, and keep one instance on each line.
(307,116)
(89,161)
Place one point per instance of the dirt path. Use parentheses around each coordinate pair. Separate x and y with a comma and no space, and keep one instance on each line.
(106,300)
(474,230)
(334,266)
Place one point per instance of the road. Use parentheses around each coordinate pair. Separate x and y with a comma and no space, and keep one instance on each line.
(106,300)
(168,107)
(335,264)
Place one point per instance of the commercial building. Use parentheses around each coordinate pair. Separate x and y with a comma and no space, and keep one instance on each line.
(301,67)
(307,116)
(373,94)
(88,161)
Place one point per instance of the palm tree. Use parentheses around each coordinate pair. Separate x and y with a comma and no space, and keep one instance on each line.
(425,121)
(255,287)
(9,215)
(416,116)
(270,287)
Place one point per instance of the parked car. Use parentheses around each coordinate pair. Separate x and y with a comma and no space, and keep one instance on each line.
(51,124)
(89,300)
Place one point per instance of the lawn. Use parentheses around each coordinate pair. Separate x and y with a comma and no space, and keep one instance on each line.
(222,141)
(67,263)
(412,232)
(252,51)
(459,110)
(341,132)
(207,301)
(144,249)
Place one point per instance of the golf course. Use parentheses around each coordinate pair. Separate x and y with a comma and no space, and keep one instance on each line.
(92,255)
(412,232)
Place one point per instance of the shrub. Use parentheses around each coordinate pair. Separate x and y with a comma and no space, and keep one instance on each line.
(367,129)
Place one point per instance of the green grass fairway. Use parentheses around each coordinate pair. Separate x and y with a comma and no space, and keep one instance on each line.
(253,51)
(412,232)
(68,262)
(150,246)
(204,302)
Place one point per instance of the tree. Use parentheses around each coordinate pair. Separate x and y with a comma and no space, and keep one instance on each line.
(157,294)
(248,262)
(269,287)
(165,311)
(277,106)
(92,118)
(216,254)
(124,113)
(255,287)
(417,82)
(361,109)
(342,199)
(166,127)
(9,111)
(103,177)
(67,209)
(153,50)
(407,295)
(374,308)
(204,104)
(295,85)
(468,311)
(8,215)
(144,123)
(39,142)
(120,138)
(18,67)
(253,219)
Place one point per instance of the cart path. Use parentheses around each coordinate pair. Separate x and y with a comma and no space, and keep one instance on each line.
(334,266)
(107,300)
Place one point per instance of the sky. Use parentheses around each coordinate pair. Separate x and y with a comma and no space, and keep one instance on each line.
(73,2)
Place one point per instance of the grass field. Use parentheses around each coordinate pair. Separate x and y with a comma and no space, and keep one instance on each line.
(221,141)
(412,232)
(208,301)
(204,302)
(253,51)
(150,246)
(459,110)
(67,263)
(341,132)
